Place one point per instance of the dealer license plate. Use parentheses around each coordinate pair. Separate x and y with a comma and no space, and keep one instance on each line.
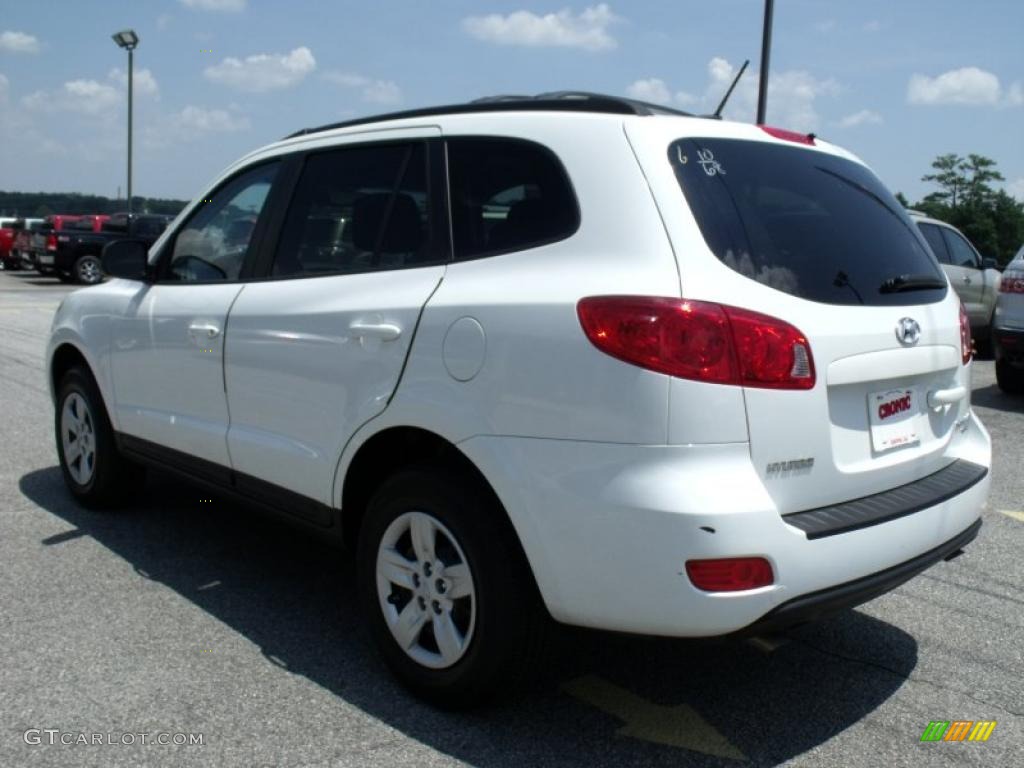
(894,418)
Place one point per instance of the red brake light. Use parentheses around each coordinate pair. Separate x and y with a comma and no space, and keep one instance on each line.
(965,336)
(699,340)
(730,574)
(782,133)
(1012,281)
(51,243)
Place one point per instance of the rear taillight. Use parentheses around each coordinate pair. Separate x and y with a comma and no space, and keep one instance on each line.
(51,243)
(1012,281)
(782,133)
(730,574)
(699,340)
(965,335)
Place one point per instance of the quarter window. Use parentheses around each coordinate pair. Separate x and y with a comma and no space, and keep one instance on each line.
(214,243)
(507,195)
(358,209)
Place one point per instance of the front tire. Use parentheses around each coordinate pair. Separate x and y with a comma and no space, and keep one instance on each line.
(93,470)
(449,605)
(1009,378)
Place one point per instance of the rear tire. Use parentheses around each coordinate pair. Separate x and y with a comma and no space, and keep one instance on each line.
(95,473)
(435,569)
(88,270)
(1009,378)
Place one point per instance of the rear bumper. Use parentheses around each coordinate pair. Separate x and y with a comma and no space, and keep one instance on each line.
(825,602)
(608,528)
(1008,345)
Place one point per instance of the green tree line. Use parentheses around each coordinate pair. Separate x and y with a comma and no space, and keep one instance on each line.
(965,198)
(45,203)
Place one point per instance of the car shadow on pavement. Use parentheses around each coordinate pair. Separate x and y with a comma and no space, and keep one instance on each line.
(993,397)
(601,699)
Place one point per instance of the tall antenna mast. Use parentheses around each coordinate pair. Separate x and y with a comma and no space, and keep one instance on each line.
(766,48)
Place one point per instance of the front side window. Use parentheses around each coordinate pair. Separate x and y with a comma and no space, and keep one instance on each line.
(960,251)
(358,209)
(214,243)
(507,195)
(808,223)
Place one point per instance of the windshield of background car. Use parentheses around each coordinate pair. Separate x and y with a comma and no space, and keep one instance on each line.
(807,223)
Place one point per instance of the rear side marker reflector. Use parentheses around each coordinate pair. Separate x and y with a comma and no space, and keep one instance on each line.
(699,340)
(732,574)
(966,343)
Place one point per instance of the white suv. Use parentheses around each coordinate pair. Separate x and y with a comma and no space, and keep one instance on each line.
(577,357)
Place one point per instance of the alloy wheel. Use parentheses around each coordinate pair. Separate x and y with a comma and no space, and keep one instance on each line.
(78,438)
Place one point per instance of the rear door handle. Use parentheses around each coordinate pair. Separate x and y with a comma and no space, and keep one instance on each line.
(940,397)
(382,331)
(203,330)
(967,279)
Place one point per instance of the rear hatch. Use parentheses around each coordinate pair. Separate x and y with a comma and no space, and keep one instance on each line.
(807,234)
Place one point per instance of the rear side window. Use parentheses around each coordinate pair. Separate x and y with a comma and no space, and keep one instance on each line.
(936,241)
(507,195)
(960,251)
(358,209)
(807,223)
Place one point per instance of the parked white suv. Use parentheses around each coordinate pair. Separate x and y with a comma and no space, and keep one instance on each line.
(580,357)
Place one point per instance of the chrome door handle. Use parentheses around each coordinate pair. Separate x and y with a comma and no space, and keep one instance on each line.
(940,397)
(382,331)
(209,330)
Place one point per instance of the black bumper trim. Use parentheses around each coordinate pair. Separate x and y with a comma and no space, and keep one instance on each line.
(817,605)
(888,505)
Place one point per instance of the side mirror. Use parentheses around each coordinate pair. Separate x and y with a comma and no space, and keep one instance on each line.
(989,264)
(127,259)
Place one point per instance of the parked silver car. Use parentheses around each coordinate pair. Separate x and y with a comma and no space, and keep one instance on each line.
(1008,327)
(975,279)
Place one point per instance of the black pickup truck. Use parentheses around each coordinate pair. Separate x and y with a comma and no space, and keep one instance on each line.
(77,255)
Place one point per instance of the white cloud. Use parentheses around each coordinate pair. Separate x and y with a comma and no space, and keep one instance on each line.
(5,86)
(1015,95)
(968,85)
(374,91)
(1016,188)
(264,71)
(216,5)
(863,117)
(792,95)
(18,42)
(655,91)
(587,30)
(143,81)
(84,96)
(192,123)
(872,26)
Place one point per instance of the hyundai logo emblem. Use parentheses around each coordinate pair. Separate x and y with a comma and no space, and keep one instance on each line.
(908,331)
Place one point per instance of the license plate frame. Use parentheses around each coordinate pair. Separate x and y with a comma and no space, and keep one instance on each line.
(894,418)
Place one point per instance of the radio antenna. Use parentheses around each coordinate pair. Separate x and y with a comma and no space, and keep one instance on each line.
(718,112)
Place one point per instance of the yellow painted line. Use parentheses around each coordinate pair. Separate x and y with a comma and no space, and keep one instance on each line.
(679,726)
(1013,513)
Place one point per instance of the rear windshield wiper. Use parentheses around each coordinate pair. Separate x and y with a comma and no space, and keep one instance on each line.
(902,283)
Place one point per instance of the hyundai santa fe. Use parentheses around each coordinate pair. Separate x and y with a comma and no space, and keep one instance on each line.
(570,357)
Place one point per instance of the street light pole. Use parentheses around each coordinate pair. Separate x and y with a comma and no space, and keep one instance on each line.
(128,40)
(131,55)
(766,48)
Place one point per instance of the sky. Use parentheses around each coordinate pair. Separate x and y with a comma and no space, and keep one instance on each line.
(897,83)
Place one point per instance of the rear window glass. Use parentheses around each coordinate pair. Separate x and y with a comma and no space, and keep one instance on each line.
(807,223)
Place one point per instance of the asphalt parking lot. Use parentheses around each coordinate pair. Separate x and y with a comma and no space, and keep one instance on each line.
(186,614)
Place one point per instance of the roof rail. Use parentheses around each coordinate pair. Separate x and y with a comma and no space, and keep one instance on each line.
(554,101)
